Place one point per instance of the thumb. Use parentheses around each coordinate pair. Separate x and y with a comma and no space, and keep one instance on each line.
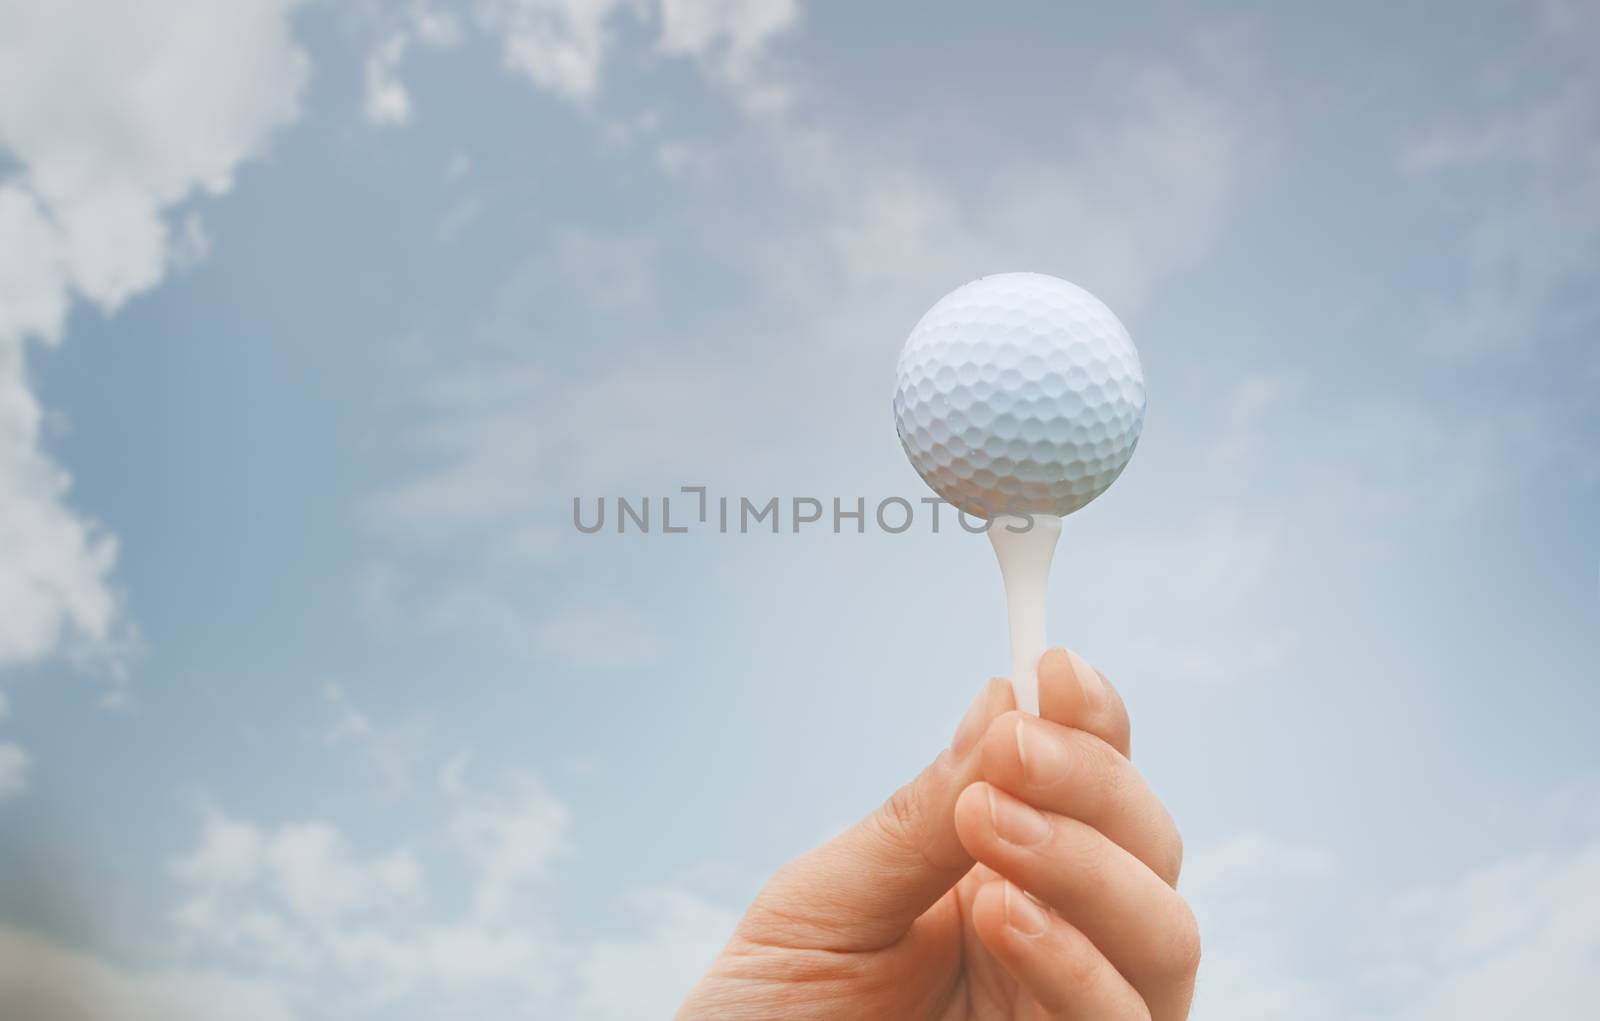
(863,889)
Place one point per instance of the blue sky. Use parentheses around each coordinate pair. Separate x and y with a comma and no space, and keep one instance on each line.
(314,318)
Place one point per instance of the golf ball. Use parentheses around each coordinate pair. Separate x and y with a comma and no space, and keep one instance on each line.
(1019,393)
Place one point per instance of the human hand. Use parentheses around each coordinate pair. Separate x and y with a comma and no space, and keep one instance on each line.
(918,911)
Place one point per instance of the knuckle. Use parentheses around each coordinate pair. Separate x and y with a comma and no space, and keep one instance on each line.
(1108,720)
(1111,770)
(901,814)
(905,830)
(1174,865)
(1181,947)
(1077,971)
(1117,718)
(778,911)
(902,824)
(1080,855)
(1164,844)
(1119,734)
(1099,772)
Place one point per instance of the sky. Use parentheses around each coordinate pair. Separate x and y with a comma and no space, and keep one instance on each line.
(316,318)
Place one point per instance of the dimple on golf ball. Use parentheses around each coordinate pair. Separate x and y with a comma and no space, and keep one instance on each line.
(1019,393)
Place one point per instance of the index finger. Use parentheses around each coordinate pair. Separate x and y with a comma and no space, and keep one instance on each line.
(1075,694)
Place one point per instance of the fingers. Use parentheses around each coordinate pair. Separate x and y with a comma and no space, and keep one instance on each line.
(1136,920)
(1075,694)
(863,889)
(1058,967)
(1072,773)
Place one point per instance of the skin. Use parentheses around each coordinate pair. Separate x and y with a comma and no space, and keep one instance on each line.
(1027,874)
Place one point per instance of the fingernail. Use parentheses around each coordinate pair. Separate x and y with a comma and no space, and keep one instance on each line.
(1015,822)
(971,727)
(1023,915)
(1089,680)
(1042,757)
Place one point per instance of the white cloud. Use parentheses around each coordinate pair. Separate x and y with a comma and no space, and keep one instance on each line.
(151,103)
(33,293)
(296,903)
(1131,195)
(56,590)
(387,101)
(191,244)
(489,607)
(394,751)
(14,763)
(1516,938)
(1524,176)
(1248,891)
(729,39)
(298,909)
(677,158)
(742,27)
(484,431)
(560,44)
(680,936)
(564,46)
(40,980)
(314,879)
(350,724)
(512,843)
(434,26)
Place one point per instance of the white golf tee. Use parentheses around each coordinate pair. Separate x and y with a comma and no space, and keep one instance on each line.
(1025,552)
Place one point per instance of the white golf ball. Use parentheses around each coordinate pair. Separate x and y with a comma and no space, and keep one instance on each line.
(1019,392)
